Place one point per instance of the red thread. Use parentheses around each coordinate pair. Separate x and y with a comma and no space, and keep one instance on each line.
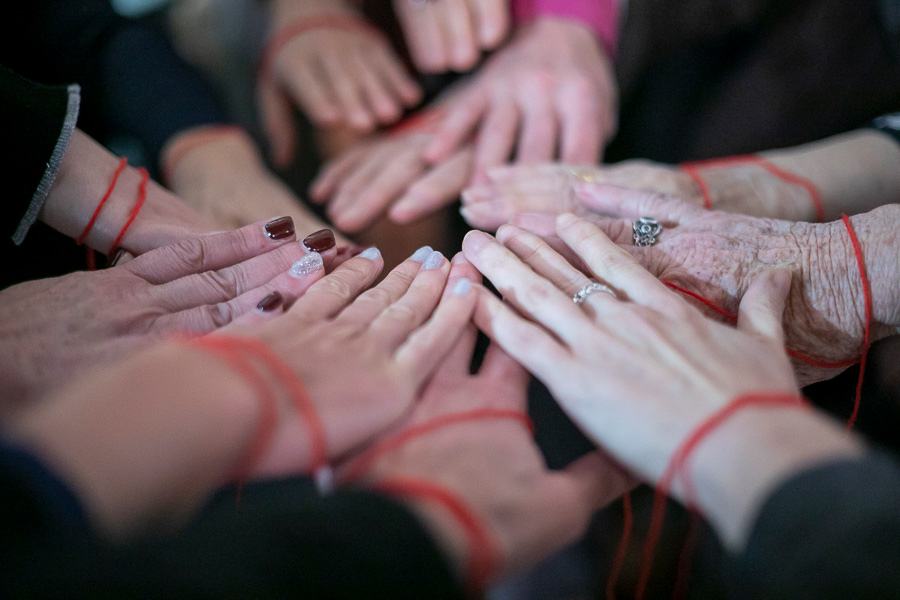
(227,351)
(365,461)
(304,24)
(123,164)
(189,142)
(298,394)
(483,554)
(867,295)
(692,169)
(622,549)
(142,197)
(678,466)
(423,121)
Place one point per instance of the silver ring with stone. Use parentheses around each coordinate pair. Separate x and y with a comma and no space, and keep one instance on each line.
(645,230)
(592,288)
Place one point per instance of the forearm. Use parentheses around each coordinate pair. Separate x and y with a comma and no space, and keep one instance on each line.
(854,172)
(145,441)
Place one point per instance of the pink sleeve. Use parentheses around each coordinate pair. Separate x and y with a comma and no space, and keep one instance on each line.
(602,16)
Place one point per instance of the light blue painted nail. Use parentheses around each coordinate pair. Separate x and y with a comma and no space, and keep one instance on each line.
(421,254)
(433,261)
(462,287)
(307,265)
(371,253)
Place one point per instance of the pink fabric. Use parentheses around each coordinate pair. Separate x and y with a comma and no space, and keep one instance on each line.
(600,15)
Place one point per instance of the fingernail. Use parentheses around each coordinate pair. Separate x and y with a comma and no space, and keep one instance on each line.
(120,252)
(434,260)
(475,239)
(280,228)
(421,254)
(270,302)
(462,287)
(370,253)
(319,241)
(310,263)
(566,219)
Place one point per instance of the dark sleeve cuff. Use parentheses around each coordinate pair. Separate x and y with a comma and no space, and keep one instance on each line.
(37,122)
(830,532)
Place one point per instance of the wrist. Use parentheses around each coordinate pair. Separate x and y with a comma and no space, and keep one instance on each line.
(210,155)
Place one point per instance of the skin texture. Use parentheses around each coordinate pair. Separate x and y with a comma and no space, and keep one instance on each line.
(56,328)
(641,369)
(451,35)
(551,87)
(717,255)
(389,174)
(183,440)
(336,77)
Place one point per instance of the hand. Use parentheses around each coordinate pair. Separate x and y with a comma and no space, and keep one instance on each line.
(56,328)
(389,174)
(226,181)
(745,188)
(451,34)
(553,84)
(494,466)
(717,255)
(338,76)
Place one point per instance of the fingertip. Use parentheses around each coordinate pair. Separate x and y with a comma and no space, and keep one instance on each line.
(566,220)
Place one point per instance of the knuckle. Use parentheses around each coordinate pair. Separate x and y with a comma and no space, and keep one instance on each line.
(402,313)
(221,281)
(191,253)
(218,315)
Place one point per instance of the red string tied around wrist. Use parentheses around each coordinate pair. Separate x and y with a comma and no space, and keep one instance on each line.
(484,555)
(693,170)
(423,121)
(91,260)
(282,37)
(190,141)
(135,210)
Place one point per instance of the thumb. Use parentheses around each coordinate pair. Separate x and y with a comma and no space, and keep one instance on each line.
(762,307)
(621,202)
(599,478)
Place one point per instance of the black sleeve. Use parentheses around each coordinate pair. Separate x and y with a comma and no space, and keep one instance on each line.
(831,532)
(36,122)
(280,541)
(135,84)
(888,124)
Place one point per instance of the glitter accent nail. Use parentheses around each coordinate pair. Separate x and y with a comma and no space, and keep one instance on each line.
(433,261)
(421,254)
(310,263)
(462,287)
(371,253)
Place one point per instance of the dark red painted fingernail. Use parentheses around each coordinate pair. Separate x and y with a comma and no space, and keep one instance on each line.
(319,241)
(280,228)
(116,257)
(270,302)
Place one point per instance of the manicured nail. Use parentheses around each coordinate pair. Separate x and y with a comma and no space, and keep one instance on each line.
(475,239)
(310,263)
(319,241)
(421,254)
(280,228)
(564,220)
(462,287)
(370,253)
(270,302)
(434,260)
(116,257)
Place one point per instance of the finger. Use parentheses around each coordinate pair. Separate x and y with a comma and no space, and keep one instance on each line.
(120,258)
(288,286)
(497,364)
(344,81)
(461,120)
(540,224)
(310,88)
(326,182)
(331,294)
(523,288)
(211,252)
(542,259)
(615,266)
(423,35)
(762,308)
(537,142)
(492,17)
(459,360)
(397,321)
(497,138)
(459,32)
(364,171)
(395,76)
(386,107)
(277,122)
(621,202)
(268,307)
(436,189)
(596,481)
(582,128)
(428,346)
(372,303)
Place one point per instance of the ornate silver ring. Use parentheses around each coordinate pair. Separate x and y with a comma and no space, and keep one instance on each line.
(645,230)
(592,288)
